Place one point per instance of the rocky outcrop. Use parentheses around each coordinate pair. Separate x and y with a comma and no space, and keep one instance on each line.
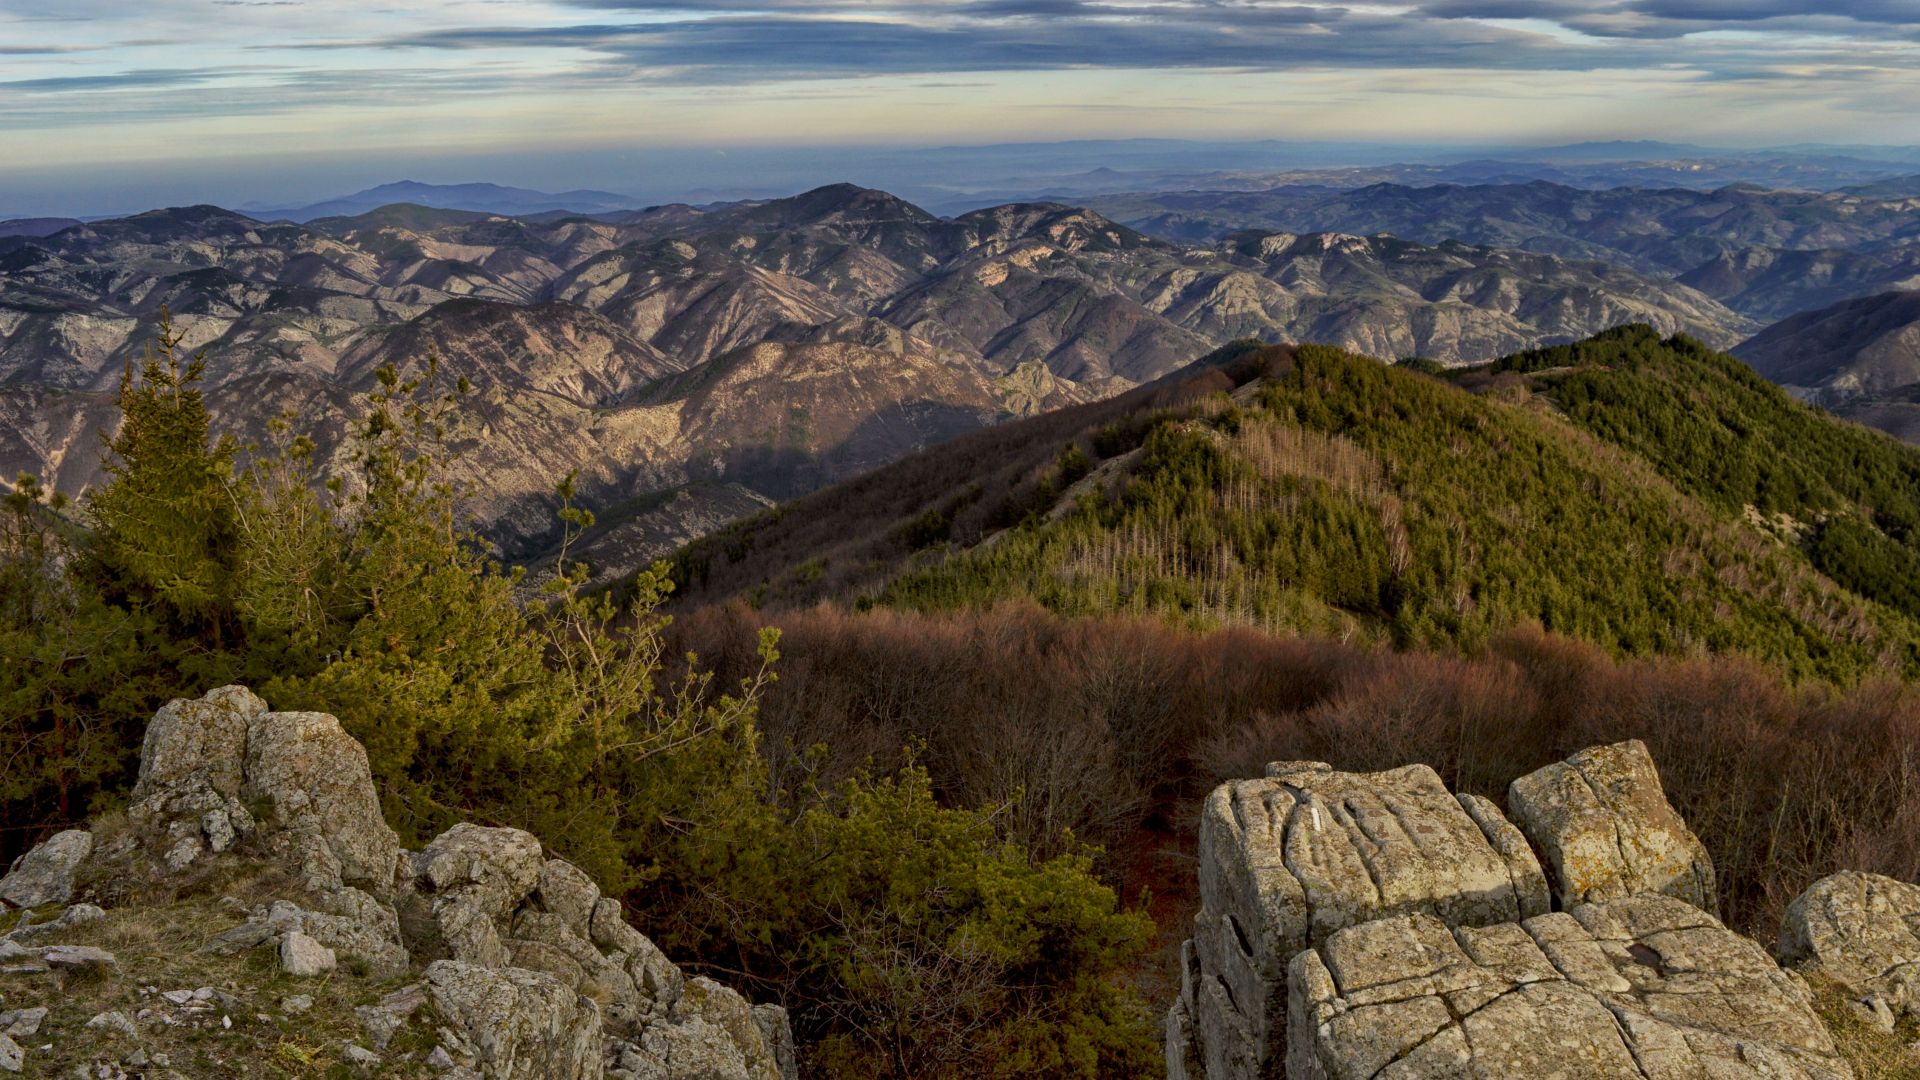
(516,1024)
(1863,932)
(1288,860)
(1361,926)
(205,762)
(1641,987)
(1605,829)
(528,971)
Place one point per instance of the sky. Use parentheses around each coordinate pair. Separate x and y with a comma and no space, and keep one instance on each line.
(125,99)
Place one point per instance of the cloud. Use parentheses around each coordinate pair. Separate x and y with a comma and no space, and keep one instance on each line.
(75,67)
(787,39)
(1658,19)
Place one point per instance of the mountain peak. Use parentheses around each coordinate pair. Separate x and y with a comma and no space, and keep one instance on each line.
(843,202)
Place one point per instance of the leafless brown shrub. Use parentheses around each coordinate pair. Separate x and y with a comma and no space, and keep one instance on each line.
(1116,727)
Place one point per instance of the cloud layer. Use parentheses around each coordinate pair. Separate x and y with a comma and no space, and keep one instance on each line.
(79,76)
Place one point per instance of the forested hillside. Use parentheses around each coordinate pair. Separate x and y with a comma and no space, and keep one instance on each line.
(1629,490)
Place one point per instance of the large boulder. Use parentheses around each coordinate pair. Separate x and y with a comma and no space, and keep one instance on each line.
(514,1024)
(1644,987)
(315,780)
(192,767)
(1605,830)
(1288,860)
(44,875)
(205,762)
(1863,932)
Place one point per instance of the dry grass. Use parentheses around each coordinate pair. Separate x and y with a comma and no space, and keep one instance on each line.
(1874,1054)
(246,1034)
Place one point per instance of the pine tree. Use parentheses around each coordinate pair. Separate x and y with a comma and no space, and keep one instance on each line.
(164,532)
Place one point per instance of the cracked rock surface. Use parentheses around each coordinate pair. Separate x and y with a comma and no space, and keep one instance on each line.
(1289,859)
(1643,988)
(1605,829)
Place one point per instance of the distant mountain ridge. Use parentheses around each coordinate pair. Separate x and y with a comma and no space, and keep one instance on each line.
(479,197)
(1727,242)
(43,226)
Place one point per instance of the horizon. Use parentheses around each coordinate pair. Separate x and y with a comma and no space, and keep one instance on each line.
(778,171)
(114,106)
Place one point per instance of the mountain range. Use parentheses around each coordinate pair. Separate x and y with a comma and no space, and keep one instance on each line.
(485,198)
(1764,253)
(692,362)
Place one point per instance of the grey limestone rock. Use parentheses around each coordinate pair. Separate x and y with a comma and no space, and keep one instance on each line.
(471,879)
(519,1024)
(1306,851)
(303,957)
(205,761)
(1605,829)
(44,875)
(1863,932)
(76,916)
(1643,988)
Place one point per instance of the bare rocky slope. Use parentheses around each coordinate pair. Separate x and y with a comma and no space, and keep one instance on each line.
(1859,358)
(1764,253)
(688,359)
(252,914)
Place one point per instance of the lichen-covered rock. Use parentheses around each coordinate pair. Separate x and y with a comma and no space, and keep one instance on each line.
(192,768)
(776,1028)
(1863,932)
(710,1034)
(470,880)
(303,957)
(77,957)
(514,1024)
(70,918)
(315,779)
(197,742)
(44,875)
(533,973)
(1605,830)
(385,1017)
(1291,858)
(356,925)
(1643,987)
(565,890)
(655,977)
(205,761)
